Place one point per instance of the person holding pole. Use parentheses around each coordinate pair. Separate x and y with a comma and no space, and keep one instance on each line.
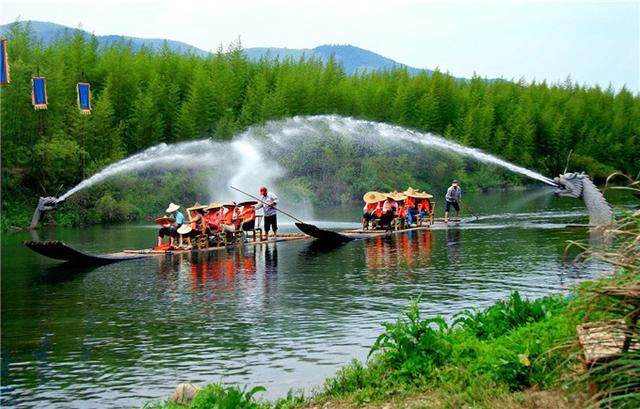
(268,202)
(453,198)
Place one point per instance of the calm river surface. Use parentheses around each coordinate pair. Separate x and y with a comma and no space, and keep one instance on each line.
(284,315)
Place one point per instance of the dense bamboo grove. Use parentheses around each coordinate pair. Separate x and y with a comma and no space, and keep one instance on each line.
(142,98)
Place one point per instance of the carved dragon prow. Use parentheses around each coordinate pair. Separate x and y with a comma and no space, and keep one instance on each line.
(579,185)
(45,204)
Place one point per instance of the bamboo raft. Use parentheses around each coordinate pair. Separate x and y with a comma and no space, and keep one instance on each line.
(59,250)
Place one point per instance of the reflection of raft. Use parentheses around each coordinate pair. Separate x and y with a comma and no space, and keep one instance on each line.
(60,251)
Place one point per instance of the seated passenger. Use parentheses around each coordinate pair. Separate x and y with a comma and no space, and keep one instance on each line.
(198,222)
(247,215)
(424,207)
(401,210)
(213,218)
(171,230)
(230,221)
(388,212)
(373,205)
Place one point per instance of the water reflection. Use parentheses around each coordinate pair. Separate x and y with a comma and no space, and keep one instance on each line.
(392,254)
(454,246)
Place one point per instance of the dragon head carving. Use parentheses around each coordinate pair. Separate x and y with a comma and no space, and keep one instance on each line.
(45,204)
(570,184)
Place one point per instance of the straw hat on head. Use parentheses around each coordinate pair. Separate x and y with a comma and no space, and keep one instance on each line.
(248,203)
(197,206)
(398,197)
(373,197)
(172,207)
(184,229)
(213,206)
(411,192)
(229,205)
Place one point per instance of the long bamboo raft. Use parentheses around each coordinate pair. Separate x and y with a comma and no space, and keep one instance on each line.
(59,250)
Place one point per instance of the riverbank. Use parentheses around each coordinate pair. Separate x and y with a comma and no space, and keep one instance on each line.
(516,353)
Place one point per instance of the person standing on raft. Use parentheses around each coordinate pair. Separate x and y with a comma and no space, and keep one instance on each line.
(453,197)
(268,204)
(172,229)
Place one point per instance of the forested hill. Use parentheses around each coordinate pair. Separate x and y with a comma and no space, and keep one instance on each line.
(141,98)
(353,59)
(49,32)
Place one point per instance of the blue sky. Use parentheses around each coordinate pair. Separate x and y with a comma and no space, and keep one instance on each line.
(595,42)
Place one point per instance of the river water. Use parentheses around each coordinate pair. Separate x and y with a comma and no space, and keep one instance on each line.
(284,315)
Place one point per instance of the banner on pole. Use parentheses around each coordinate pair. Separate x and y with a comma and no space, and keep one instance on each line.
(5,78)
(39,93)
(84,97)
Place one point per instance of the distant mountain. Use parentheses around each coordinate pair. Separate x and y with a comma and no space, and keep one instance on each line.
(48,32)
(353,59)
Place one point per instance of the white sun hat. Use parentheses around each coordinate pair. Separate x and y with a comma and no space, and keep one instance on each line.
(184,229)
(172,208)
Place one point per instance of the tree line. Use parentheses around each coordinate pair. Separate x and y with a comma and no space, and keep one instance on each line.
(144,97)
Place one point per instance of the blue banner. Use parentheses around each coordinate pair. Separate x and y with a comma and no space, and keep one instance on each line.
(4,63)
(39,93)
(84,97)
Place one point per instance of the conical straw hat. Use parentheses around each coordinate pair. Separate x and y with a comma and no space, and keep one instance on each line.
(411,192)
(230,204)
(373,197)
(172,208)
(197,206)
(248,203)
(397,196)
(213,205)
(184,229)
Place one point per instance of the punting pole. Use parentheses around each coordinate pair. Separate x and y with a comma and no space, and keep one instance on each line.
(265,203)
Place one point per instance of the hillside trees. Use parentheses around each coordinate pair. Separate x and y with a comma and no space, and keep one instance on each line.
(142,97)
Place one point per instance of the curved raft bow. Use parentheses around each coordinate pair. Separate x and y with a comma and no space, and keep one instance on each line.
(324,235)
(60,251)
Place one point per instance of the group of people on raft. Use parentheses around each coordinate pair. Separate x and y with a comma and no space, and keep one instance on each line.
(217,219)
(406,208)
(382,209)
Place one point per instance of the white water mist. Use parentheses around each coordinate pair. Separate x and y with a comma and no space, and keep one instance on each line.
(245,161)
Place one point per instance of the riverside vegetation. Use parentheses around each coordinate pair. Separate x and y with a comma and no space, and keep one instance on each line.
(516,353)
(142,98)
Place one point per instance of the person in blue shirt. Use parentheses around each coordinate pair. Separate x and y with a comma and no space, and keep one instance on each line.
(171,230)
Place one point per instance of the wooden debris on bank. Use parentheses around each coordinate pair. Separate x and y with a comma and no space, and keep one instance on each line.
(603,341)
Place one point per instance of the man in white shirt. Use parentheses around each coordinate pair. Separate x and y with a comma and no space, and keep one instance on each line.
(452,198)
(270,213)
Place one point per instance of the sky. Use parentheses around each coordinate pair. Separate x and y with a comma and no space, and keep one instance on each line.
(592,42)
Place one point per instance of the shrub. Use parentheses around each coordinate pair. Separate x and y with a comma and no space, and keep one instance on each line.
(506,315)
(413,346)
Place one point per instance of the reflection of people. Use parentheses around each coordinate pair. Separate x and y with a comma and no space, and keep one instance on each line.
(171,230)
(270,213)
(271,259)
(452,198)
(453,244)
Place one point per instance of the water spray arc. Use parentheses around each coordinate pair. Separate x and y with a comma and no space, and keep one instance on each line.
(248,163)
